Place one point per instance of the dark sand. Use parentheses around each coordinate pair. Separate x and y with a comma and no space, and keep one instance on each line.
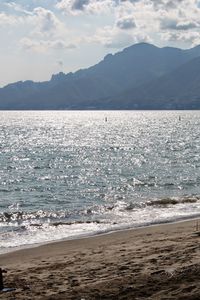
(159,262)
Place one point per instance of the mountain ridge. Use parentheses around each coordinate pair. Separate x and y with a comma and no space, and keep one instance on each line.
(137,77)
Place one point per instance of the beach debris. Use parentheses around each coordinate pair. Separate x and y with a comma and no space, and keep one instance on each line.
(2,288)
(169,272)
(1,279)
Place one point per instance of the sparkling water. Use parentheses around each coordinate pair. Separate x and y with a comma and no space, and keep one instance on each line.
(67,174)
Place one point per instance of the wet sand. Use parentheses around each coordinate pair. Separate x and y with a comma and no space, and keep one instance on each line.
(158,262)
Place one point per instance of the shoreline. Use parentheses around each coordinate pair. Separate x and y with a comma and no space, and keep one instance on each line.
(93,235)
(100,236)
(145,263)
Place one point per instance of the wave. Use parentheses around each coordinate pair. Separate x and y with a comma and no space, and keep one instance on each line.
(4,190)
(24,216)
(173,201)
(56,224)
(76,222)
(89,214)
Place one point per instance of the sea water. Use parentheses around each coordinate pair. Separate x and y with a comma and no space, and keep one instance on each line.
(69,174)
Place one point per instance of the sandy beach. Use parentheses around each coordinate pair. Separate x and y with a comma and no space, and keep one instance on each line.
(158,262)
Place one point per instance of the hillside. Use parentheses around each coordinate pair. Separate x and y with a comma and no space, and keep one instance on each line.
(142,76)
(179,89)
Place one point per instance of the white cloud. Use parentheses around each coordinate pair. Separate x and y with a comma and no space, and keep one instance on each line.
(179,25)
(17,8)
(174,24)
(47,32)
(113,37)
(45,21)
(6,19)
(140,20)
(79,4)
(43,46)
(75,7)
(27,5)
(42,21)
(190,38)
(166,4)
(126,22)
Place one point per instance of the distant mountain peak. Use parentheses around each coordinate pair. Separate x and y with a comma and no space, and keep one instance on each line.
(142,45)
(58,76)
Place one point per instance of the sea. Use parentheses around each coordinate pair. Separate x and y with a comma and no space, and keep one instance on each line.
(73,174)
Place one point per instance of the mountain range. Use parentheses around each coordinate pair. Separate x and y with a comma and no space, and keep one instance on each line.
(141,76)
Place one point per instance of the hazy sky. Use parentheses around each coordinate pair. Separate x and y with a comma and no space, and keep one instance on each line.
(42,37)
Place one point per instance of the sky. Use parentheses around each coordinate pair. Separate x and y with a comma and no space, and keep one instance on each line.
(43,37)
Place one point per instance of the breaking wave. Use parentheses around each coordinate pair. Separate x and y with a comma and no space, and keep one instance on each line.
(173,201)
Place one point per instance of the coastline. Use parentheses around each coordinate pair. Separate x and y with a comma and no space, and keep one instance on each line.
(97,234)
(145,263)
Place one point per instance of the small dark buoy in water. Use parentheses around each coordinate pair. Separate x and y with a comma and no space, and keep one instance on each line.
(179,118)
(106,119)
(2,288)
